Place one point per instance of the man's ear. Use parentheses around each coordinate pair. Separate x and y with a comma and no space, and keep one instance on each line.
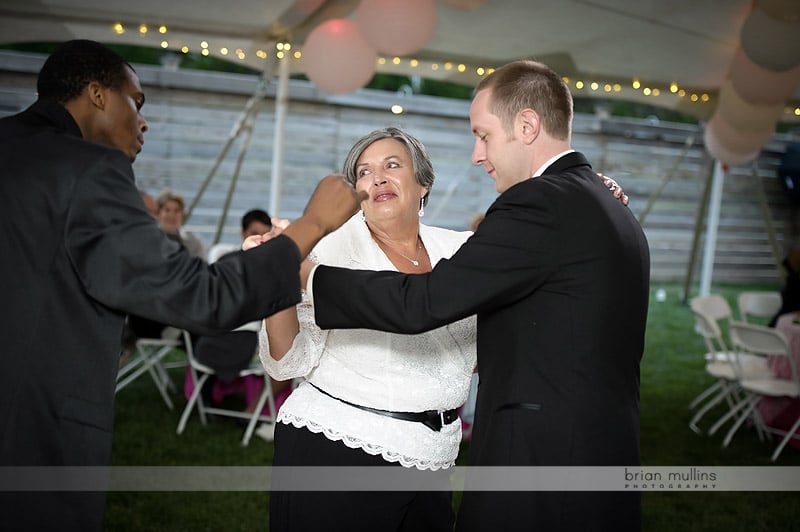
(528,124)
(97,94)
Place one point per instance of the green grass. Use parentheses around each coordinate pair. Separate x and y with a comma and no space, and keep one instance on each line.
(671,375)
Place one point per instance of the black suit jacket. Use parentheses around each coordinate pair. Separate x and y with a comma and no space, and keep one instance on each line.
(558,275)
(79,251)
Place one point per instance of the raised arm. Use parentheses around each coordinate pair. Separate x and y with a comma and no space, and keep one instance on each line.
(334,201)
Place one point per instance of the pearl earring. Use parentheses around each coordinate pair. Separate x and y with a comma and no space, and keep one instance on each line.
(421,208)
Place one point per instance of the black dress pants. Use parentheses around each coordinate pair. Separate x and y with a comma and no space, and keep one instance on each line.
(333,511)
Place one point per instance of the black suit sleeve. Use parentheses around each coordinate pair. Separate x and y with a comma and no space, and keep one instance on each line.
(509,256)
(126,262)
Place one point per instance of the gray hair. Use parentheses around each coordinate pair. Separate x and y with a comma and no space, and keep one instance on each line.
(420,161)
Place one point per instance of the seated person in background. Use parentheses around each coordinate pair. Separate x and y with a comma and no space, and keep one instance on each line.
(232,352)
(171,207)
(790,294)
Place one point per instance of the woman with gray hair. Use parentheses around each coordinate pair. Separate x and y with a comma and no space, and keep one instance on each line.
(372,398)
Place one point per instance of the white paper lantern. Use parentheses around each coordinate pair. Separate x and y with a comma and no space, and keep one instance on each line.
(397,27)
(336,57)
(771,43)
(759,85)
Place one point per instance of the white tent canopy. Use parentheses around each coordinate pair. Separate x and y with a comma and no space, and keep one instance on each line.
(685,42)
(675,54)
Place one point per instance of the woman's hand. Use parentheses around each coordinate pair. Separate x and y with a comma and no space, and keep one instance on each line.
(278,225)
(615,189)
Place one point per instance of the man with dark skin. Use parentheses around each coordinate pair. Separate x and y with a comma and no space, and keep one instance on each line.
(80,251)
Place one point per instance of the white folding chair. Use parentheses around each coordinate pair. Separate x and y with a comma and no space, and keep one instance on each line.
(717,365)
(717,311)
(758,304)
(200,374)
(763,341)
(708,312)
(148,356)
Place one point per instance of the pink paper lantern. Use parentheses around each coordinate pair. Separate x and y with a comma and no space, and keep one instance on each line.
(759,85)
(397,27)
(336,57)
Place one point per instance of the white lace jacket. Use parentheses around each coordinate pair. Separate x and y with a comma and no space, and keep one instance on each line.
(404,373)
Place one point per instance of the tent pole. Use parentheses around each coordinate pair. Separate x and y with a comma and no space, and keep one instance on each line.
(252,107)
(281,106)
(667,178)
(713,224)
(767,215)
(698,229)
(248,135)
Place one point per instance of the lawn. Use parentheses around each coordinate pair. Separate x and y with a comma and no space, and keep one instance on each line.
(671,375)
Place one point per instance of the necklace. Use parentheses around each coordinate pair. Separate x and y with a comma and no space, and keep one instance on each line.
(415,261)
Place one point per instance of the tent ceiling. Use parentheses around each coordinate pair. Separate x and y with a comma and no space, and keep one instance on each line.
(684,41)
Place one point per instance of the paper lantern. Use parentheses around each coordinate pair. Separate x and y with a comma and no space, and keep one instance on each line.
(785,10)
(743,115)
(336,57)
(465,5)
(737,140)
(722,153)
(759,85)
(397,27)
(771,43)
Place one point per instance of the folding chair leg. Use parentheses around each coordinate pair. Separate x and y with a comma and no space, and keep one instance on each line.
(706,407)
(785,440)
(700,398)
(198,386)
(157,373)
(251,425)
(724,419)
(728,437)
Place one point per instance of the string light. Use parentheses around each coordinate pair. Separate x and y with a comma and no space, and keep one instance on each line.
(284,48)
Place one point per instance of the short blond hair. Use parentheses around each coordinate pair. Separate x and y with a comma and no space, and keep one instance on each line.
(170,195)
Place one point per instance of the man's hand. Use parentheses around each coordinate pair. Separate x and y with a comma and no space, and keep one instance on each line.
(332,204)
(615,189)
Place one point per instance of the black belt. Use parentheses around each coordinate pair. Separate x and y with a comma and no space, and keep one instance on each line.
(433,419)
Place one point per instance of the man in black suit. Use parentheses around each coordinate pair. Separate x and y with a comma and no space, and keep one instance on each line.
(79,251)
(558,275)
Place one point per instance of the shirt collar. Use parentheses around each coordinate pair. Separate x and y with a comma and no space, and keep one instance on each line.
(550,161)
